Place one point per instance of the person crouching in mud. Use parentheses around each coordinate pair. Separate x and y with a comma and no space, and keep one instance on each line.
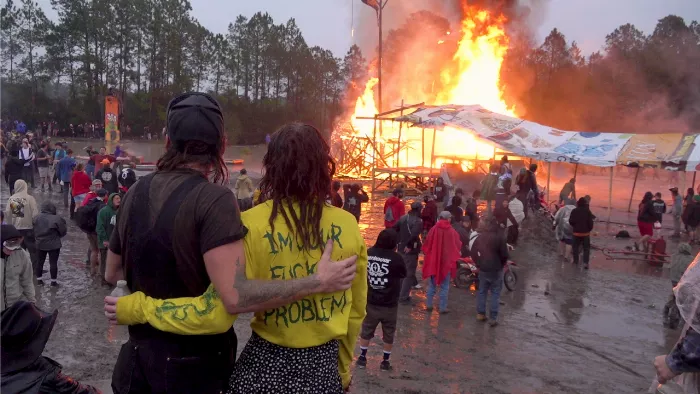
(299,343)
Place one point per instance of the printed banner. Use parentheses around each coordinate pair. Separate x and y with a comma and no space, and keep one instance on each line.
(524,138)
(111,119)
(667,151)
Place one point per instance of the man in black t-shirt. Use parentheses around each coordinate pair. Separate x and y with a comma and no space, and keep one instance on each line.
(42,163)
(176,234)
(385,269)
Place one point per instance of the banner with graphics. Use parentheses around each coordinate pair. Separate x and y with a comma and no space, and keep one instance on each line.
(529,139)
(111,119)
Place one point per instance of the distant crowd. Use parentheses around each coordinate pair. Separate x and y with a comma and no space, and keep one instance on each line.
(87,130)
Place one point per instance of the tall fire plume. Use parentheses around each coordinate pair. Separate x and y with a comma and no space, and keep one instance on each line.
(471,76)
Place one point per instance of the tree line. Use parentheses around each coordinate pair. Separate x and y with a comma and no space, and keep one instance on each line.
(265,74)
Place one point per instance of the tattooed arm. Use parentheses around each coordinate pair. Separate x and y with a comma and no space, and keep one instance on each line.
(241,295)
(213,312)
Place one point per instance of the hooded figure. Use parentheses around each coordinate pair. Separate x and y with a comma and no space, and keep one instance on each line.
(394,208)
(21,208)
(442,249)
(385,271)
(683,362)
(17,281)
(680,262)
(409,228)
(127,178)
(106,220)
(354,198)
(244,191)
(108,177)
(49,228)
(489,185)
(429,213)
(13,170)
(25,331)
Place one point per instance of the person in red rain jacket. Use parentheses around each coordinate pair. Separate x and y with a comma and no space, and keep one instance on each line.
(441,249)
(429,213)
(398,209)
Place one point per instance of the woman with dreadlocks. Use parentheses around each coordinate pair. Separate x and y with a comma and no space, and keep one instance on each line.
(306,345)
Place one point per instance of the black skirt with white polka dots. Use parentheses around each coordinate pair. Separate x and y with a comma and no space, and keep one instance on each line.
(268,368)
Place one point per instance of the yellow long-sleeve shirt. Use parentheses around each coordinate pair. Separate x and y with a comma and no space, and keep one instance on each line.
(275,255)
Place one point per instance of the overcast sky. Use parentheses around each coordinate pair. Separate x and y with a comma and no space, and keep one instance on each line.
(327,23)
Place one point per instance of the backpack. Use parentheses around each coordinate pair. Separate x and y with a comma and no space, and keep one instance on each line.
(389,214)
(86,216)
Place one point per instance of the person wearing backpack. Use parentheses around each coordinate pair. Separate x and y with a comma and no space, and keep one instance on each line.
(49,228)
(106,220)
(409,228)
(86,219)
(394,208)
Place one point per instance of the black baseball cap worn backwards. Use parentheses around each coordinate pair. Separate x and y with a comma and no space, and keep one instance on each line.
(195,117)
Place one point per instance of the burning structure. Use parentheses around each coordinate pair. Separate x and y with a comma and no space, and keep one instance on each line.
(440,65)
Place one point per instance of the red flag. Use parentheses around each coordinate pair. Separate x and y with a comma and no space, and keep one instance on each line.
(372,3)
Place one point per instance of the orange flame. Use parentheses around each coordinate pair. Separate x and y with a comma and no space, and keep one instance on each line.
(365,106)
(479,58)
(472,78)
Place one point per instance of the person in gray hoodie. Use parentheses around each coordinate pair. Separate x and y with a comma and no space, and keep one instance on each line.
(16,270)
(49,228)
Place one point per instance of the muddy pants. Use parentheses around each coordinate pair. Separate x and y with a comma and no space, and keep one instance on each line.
(584,242)
(53,263)
(103,262)
(411,261)
(677,225)
(29,244)
(167,363)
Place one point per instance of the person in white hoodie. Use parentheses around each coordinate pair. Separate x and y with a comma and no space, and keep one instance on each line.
(518,210)
(244,191)
(21,210)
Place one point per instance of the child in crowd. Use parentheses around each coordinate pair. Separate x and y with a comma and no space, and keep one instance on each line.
(385,269)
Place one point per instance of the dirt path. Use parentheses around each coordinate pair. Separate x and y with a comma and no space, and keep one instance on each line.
(596,331)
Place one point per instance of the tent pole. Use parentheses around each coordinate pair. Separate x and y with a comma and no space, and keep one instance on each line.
(398,145)
(634,185)
(432,152)
(549,176)
(693,185)
(575,170)
(422,151)
(612,171)
(374,155)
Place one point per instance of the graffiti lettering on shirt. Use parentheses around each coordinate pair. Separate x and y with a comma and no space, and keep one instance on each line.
(180,312)
(306,310)
(282,241)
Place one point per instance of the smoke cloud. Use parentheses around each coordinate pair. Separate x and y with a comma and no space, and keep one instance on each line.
(524,16)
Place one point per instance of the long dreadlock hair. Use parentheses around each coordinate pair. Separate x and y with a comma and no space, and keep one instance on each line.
(298,170)
(181,154)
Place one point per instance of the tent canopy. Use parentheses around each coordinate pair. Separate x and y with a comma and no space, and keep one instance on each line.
(674,152)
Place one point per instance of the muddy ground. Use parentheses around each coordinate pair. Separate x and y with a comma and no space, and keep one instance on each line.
(595,331)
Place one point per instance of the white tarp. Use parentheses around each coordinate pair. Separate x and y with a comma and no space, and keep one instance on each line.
(525,138)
